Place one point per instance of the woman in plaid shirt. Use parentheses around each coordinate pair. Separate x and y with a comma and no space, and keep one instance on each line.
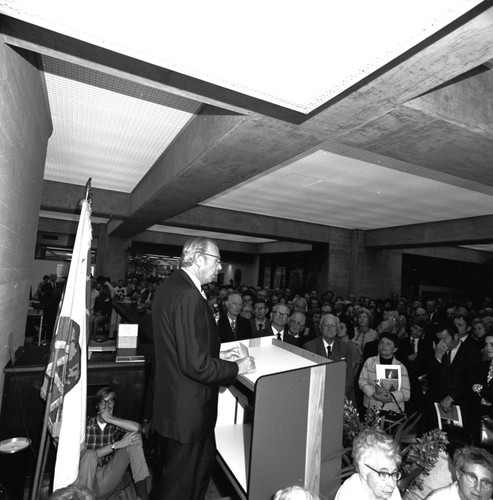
(112,444)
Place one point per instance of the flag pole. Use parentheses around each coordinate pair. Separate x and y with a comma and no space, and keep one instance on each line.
(44,442)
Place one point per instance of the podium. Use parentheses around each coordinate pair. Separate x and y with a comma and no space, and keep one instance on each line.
(282,425)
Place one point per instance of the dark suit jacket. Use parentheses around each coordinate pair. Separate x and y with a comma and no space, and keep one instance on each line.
(255,331)
(456,380)
(417,367)
(340,350)
(188,371)
(243,330)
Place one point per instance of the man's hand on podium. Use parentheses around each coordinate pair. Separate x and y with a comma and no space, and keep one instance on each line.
(246,365)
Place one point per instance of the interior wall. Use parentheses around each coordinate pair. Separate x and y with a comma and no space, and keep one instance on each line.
(25,126)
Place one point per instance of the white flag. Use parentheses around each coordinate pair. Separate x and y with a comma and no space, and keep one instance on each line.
(67,417)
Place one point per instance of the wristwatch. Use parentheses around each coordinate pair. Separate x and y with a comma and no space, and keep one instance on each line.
(113,447)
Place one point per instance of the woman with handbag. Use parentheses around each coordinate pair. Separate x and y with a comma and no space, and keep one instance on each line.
(379,393)
(483,411)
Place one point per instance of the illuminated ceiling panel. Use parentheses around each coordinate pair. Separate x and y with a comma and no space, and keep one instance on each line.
(295,55)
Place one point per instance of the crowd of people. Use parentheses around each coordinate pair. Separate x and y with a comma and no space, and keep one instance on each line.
(436,356)
(442,349)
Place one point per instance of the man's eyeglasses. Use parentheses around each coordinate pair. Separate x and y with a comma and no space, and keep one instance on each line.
(297,323)
(384,475)
(485,484)
(279,313)
(218,260)
(260,308)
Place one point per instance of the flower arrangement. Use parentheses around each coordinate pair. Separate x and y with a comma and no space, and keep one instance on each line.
(421,456)
(352,425)
(418,457)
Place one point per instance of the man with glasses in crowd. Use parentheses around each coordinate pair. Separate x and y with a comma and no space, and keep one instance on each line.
(474,471)
(189,369)
(296,329)
(279,319)
(260,323)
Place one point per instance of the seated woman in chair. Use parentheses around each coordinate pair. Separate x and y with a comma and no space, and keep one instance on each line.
(112,444)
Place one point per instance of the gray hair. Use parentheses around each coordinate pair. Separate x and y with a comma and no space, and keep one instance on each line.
(295,493)
(370,440)
(193,247)
(473,455)
(325,317)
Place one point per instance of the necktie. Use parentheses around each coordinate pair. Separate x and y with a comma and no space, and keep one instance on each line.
(446,360)
(279,336)
(329,352)
(260,326)
(233,325)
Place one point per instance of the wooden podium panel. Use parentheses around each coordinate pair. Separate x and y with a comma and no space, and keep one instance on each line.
(295,423)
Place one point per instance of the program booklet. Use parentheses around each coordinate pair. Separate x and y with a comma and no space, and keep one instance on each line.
(389,376)
(453,416)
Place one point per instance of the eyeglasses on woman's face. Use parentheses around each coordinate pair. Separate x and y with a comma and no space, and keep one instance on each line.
(384,475)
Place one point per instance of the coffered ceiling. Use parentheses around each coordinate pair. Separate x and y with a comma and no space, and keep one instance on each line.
(263,121)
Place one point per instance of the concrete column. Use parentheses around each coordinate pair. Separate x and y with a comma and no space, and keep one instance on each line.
(111,256)
(25,126)
(374,272)
(353,268)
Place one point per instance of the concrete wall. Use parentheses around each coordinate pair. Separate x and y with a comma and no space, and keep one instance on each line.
(25,126)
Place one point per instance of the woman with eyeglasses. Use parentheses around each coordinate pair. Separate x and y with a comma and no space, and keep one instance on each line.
(377,460)
(474,471)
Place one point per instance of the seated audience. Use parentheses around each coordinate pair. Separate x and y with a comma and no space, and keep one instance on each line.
(247,311)
(120,290)
(474,471)
(330,346)
(375,393)
(295,332)
(278,321)
(316,315)
(231,325)
(377,459)
(260,324)
(363,333)
(112,444)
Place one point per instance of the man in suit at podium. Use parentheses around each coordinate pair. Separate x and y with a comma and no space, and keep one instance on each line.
(189,369)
